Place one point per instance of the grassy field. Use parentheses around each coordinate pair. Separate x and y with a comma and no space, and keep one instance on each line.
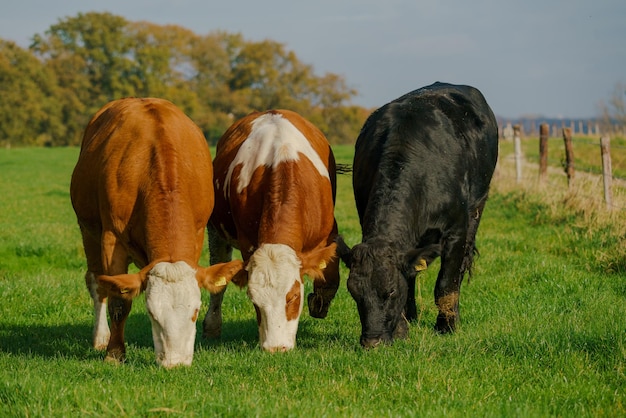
(543,329)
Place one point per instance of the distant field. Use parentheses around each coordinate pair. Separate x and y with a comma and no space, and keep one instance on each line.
(543,329)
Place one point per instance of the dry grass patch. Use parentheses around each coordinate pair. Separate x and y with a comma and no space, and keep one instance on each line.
(580,206)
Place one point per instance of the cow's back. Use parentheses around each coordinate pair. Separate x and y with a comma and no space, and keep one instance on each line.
(144,162)
(245,198)
(437,142)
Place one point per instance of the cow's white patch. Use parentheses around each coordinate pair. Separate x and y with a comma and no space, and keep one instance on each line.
(272,270)
(101,331)
(173,303)
(272,140)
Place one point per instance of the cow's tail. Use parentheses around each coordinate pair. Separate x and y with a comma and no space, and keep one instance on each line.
(470,243)
(343,168)
(343,251)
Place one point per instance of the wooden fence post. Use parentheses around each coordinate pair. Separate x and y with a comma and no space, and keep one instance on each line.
(569,155)
(518,152)
(607,172)
(544,133)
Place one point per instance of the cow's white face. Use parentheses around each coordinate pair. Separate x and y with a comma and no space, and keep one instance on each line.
(275,288)
(173,302)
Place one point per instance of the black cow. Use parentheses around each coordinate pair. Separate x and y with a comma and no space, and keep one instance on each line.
(422,168)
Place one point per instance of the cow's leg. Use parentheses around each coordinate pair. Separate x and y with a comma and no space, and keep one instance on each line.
(101,332)
(119,309)
(220,252)
(457,259)
(410,311)
(448,285)
(115,261)
(325,289)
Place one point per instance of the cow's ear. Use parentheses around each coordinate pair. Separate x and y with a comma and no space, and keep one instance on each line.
(314,262)
(126,286)
(419,259)
(241,278)
(215,278)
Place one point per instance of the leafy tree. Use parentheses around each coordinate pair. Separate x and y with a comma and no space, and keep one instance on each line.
(91,54)
(271,77)
(99,47)
(215,78)
(161,56)
(29,110)
(208,78)
(265,75)
(340,122)
(614,113)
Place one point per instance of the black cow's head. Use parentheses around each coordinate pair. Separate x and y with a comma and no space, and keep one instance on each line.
(378,284)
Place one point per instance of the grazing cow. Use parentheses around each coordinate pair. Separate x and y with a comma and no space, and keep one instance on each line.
(275,186)
(422,168)
(142,191)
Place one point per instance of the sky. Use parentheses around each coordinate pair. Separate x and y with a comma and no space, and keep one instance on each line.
(551,58)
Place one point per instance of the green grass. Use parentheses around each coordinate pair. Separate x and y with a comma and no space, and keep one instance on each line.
(543,329)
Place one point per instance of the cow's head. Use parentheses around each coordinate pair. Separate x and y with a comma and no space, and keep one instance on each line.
(275,287)
(173,302)
(378,284)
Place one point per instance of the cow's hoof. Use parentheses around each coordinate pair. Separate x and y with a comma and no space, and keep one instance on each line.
(445,325)
(115,357)
(212,326)
(317,307)
(212,333)
(100,345)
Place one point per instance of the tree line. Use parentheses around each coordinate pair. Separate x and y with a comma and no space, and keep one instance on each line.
(50,90)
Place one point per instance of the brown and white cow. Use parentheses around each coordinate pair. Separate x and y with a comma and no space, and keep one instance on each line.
(142,192)
(275,186)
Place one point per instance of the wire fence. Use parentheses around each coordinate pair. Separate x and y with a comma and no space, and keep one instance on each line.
(591,183)
(557,180)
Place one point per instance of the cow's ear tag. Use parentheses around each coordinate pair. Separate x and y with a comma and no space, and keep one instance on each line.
(421,265)
(221,281)
(322,265)
(122,291)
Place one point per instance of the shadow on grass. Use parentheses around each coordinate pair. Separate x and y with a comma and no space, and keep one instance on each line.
(71,340)
(68,340)
(313,334)
(234,334)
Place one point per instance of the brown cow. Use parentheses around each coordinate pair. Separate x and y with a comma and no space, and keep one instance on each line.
(275,186)
(142,192)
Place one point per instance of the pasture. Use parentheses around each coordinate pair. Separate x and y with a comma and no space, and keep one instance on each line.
(542,333)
